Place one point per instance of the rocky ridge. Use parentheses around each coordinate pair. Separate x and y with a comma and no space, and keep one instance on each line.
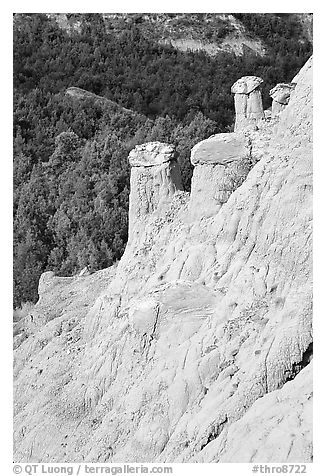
(80,94)
(211,33)
(183,31)
(198,346)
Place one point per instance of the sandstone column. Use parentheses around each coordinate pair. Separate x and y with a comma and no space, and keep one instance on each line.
(247,101)
(155,177)
(281,95)
(221,163)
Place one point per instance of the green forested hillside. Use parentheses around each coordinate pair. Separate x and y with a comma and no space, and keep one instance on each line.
(71,174)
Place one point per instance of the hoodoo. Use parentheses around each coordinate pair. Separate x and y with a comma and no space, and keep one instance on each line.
(281,95)
(247,101)
(221,163)
(155,177)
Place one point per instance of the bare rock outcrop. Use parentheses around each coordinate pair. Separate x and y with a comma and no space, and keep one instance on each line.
(305,73)
(155,177)
(248,102)
(197,347)
(281,95)
(222,163)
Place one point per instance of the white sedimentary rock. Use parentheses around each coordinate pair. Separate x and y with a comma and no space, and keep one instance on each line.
(150,154)
(222,163)
(221,149)
(248,102)
(304,73)
(246,85)
(155,177)
(281,95)
(195,347)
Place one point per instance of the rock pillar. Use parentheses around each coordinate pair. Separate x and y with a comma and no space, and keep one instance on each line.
(248,102)
(221,163)
(281,95)
(155,177)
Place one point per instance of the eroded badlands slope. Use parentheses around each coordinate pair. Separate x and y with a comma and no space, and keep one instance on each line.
(197,347)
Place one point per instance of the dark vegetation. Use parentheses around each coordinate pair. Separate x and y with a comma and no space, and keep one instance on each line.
(176,25)
(71,175)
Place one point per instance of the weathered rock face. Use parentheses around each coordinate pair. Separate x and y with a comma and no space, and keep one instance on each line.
(304,73)
(246,85)
(196,348)
(281,95)
(155,177)
(277,107)
(282,92)
(151,154)
(220,149)
(248,102)
(222,163)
